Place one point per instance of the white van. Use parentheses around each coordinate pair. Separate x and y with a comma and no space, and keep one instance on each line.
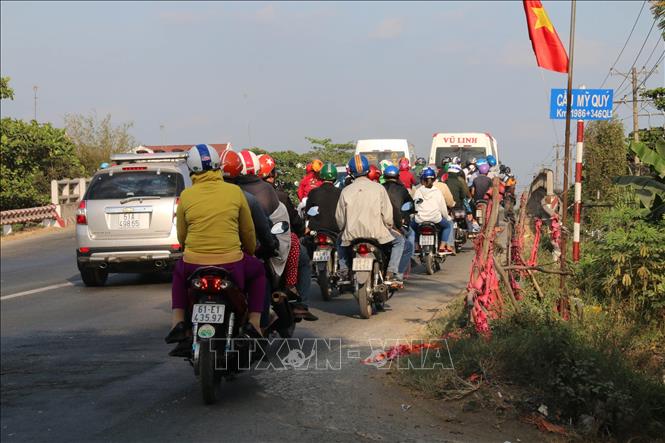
(386,149)
(465,145)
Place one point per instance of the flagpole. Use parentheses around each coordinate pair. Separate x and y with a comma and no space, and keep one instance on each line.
(563,301)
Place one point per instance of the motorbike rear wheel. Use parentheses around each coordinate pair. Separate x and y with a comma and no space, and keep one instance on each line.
(209,382)
(428,261)
(365,294)
(324,283)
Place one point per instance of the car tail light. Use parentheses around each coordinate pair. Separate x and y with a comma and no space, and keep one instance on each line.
(134,168)
(321,239)
(84,250)
(175,246)
(363,249)
(427,230)
(81,218)
(175,208)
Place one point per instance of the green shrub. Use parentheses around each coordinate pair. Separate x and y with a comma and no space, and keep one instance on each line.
(625,266)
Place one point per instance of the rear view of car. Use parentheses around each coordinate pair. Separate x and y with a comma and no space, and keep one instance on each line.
(126,219)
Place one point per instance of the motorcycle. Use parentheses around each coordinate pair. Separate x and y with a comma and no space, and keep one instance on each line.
(324,258)
(459,226)
(368,269)
(222,344)
(428,239)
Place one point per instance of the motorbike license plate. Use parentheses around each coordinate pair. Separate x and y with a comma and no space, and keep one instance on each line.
(129,221)
(321,255)
(362,264)
(426,240)
(208,313)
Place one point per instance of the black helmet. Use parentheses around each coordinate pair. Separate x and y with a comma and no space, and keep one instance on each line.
(445,160)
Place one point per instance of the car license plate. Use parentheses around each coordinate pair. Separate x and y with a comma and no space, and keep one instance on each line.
(362,264)
(208,313)
(130,221)
(426,240)
(321,255)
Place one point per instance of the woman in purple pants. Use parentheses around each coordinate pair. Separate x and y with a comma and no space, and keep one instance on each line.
(215,227)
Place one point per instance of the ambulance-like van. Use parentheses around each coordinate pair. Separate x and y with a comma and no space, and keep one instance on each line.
(465,145)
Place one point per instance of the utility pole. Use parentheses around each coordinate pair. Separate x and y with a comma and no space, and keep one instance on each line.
(34,89)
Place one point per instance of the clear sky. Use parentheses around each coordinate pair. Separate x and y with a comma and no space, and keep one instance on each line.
(270,74)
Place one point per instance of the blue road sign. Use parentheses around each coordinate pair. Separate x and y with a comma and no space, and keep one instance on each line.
(586,104)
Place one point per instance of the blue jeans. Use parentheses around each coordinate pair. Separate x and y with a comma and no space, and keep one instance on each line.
(304,274)
(409,245)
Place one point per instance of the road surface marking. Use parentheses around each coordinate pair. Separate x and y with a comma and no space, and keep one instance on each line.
(35,291)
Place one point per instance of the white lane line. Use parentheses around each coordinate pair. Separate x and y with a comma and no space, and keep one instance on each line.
(35,291)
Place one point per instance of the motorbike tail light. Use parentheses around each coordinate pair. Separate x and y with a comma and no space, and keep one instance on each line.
(427,230)
(81,218)
(212,284)
(363,249)
(321,239)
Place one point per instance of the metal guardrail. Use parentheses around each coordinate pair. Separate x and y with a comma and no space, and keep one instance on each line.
(37,214)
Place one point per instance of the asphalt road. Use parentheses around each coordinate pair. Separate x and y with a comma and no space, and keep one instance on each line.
(90,364)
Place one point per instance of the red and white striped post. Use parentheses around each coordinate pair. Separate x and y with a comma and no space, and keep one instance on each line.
(579,151)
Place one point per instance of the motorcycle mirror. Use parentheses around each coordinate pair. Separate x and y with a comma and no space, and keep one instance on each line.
(313,211)
(406,207)
(279,228)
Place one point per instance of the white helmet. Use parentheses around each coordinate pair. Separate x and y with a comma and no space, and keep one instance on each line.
(202,158)
(250,162)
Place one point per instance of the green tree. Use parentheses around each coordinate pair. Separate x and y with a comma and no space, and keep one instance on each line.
(658,11)
(657,95)
(326,150)
(31,155)
(5,91)
(604,158)
(96,139)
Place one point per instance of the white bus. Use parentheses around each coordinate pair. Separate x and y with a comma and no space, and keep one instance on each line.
(386,149)
(465,145)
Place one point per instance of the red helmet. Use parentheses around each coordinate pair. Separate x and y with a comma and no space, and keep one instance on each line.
(250,162)
(231,163)
(374,173)
(266,165)
(404,164)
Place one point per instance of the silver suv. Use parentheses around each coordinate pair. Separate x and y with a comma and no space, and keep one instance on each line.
(126,221)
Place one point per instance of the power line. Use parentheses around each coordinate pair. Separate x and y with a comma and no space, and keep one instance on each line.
(653,70)
(640,52)
(658,43)
(624,45)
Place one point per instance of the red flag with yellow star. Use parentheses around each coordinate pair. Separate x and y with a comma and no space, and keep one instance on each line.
(549,50)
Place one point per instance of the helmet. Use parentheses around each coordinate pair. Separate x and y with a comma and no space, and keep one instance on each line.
(472,167)
(502,169)
(481,161)
(359,165)
(231,164)
(445,160)
(266,165)
(250,162)
(383,164)
(420,161)
(391,171)
(317,165)
(404,164)
(484,168)
(202,158)
(454,168)
(374,173)
(427,173)
(491,160)
(104,165)
(507,169)
(328,172)
(456,160)
(446,167)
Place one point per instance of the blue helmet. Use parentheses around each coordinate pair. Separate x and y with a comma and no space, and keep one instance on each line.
(202,158)
(491,160)
(481,161)
(359,165)
(427,173)
(104,165)
(391,172)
